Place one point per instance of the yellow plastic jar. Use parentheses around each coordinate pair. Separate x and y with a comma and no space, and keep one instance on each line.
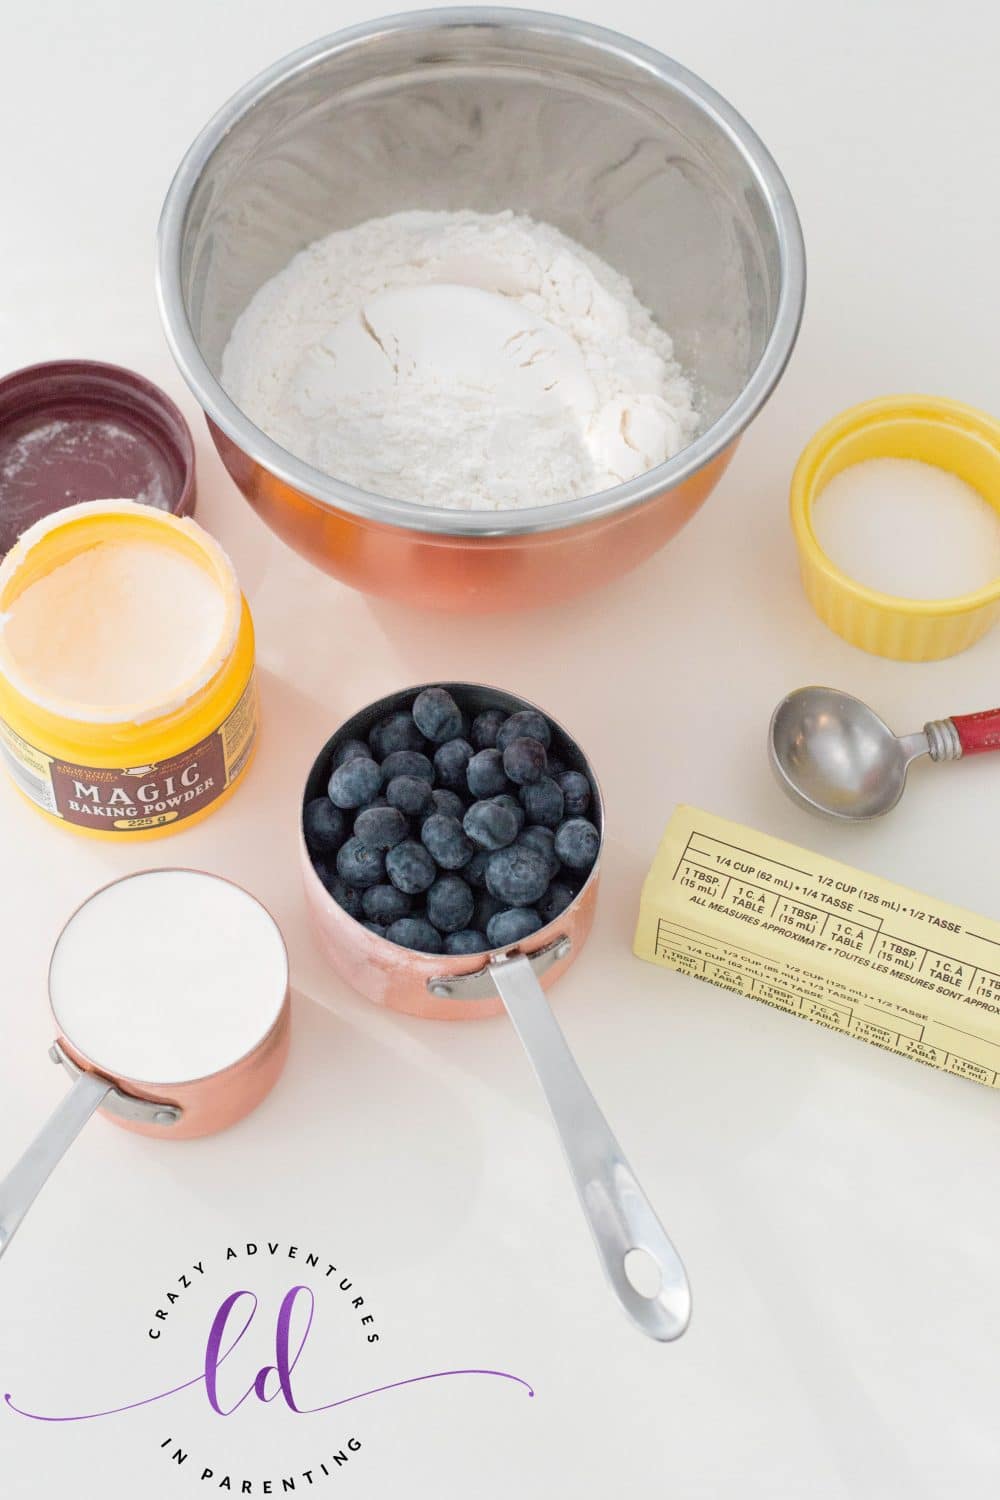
(150,765)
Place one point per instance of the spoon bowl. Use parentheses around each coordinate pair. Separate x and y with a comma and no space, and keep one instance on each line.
(834,755)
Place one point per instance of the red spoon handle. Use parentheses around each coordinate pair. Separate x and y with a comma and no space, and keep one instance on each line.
(978,733)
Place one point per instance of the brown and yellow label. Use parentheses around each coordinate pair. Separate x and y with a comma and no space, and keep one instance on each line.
(134,799)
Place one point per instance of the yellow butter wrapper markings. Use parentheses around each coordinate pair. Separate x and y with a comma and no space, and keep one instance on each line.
(825,942)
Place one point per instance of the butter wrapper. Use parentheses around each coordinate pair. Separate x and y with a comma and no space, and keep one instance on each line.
(823,941)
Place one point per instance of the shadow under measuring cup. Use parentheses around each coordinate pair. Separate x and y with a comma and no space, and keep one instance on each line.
(169,990)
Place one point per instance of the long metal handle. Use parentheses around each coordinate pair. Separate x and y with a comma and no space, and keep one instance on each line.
(24,1182)
(616,1208)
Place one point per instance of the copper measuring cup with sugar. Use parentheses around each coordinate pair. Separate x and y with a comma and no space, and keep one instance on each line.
(169,991)
(625,1228)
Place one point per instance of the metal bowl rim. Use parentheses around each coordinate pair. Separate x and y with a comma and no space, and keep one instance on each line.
(334,494)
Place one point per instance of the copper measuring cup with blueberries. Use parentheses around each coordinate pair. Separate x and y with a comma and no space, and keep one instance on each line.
(451,841)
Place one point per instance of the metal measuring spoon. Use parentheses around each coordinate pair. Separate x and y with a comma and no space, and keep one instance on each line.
(834,755)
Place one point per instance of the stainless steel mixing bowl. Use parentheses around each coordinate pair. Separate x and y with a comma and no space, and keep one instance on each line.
(487,108)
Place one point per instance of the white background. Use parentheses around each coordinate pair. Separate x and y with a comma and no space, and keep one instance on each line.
(836,1206)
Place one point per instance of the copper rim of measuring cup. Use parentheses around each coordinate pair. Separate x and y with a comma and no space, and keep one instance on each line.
(401,978)
(217,1100)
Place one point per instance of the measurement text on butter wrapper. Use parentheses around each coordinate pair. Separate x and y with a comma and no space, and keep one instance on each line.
(826,943)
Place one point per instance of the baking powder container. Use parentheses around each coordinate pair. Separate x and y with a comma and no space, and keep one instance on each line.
(933,430)
(134,769)
(74,430)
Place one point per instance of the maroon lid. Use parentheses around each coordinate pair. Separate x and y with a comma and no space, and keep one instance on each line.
(75,430)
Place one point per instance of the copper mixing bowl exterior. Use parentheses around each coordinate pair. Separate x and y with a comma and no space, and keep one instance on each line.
(488,109)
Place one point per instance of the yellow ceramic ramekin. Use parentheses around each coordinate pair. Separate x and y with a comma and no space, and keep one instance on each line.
(936,431)
(167,769)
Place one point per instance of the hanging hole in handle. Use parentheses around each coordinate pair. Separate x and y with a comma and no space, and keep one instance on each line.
(643,1273)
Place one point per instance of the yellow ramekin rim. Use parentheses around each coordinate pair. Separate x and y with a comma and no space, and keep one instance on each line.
(964,423)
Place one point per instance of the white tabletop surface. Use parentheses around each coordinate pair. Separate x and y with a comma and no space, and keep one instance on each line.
(836,1205)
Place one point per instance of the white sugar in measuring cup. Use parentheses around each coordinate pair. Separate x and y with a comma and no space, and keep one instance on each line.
(169,991)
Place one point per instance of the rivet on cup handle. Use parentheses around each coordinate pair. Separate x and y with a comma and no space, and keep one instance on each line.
(619,1214)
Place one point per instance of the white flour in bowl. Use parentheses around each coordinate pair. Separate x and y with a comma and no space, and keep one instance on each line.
(465,360)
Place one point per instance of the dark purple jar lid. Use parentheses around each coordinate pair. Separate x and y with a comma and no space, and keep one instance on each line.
(76,430)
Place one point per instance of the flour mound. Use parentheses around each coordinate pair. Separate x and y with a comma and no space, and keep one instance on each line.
(463,360)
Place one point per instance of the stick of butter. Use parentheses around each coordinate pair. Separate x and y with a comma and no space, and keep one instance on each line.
(813,937)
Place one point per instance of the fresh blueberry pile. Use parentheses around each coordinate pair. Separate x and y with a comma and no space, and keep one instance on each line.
(451,836)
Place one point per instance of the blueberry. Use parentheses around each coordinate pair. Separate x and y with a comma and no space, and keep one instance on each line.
(466,941)
(524,761)
(577,843)
(542,839)
(543,802)
(375,927)
(518,876)
(511,926)
(381,827)
(557,767)
(359,865)
(512,805)
(450,903)
(415,932)
(474,873)
(555,901)
(451,761)
(408,763)
(487,906)
(490,825)
(410,867)
(344,895)
(385,904)
(485,775)
(576,793)
(446,842)
(324,826)
(437,715)
(528,724)
(349,750)
(486,727)
(355,783)
(397,732)
(411,794)
(448,803)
